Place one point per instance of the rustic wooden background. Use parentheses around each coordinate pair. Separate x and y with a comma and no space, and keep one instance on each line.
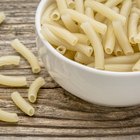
(59,115)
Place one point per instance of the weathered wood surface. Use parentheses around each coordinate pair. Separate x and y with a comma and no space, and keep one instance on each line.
(59,115)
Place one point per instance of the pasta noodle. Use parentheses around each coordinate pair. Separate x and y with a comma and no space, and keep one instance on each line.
(89,12)
(13,81)
(61,5)
(105,11)
(70,54)
(61,49)
(97,46)
(118,50)
(27,54)
(80,18)
(46,15)
(34,88)
(22,104)
(122,38)
(55,15)
(133,25)
(119,67)
(69,23)
(2,17)
(138,3)
(79,6)
(81,58)
(110,4)
(64,34)
(110,40)
(82,38)
(9,60)
(8,117)
(70,4)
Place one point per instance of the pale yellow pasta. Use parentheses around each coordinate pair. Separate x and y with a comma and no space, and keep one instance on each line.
(82,38)
(133,26)
(70,4)
(22,104)
(2,17)
(136,67)
(61,5)
(13,81)
(96,43)
(8,117)
(137,38)
(83,59)
(9,60)
(105,11)
(55,23)
(123,59)
(69,23)
(46,15)
(27,54)
(89,12)
(110,4)
(70,54)
(80,18)
(138,3)
(79,6)
(61,49)
(118,50)
(55,15)
(122,38)
(110,40)
(119,67)
(101,0)
(64,34)
(125,11)
(136,10)
(34,88)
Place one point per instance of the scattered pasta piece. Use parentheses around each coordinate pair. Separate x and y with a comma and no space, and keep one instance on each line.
(27,54)
(22,104)
(2,17)
(8,117)
(9,60)
(34,88)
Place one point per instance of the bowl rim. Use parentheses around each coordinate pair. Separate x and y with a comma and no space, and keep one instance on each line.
(66,60)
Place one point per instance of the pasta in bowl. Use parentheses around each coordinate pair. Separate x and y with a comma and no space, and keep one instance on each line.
(91,38)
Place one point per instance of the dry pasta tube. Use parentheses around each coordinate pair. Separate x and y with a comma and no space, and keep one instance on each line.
(89,12)
(119,67)
(9,60)
(22,104)
(96,43)
(85,49)
(81,58)
(2,17)
(138,3)
(69,23)
(34,88)
(122,38)
(55,15)
(136,10)
(79,6)
(136,67)
(61,5)
(54,23)
(110,40)
(105,11)
(61,49)
(8,117)
(80,18)
(110,4)
(82,38)
(123,59)
(70,4)
(46,15)
(70,54)
(118,50)
(13,81)
(27,54)
(132,27)
(64,34)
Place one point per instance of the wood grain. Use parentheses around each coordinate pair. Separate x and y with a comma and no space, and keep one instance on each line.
(59,115)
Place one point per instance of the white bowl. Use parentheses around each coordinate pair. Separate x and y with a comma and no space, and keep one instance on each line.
(95,86)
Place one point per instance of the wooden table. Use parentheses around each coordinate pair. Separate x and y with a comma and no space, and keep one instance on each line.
(59,115)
